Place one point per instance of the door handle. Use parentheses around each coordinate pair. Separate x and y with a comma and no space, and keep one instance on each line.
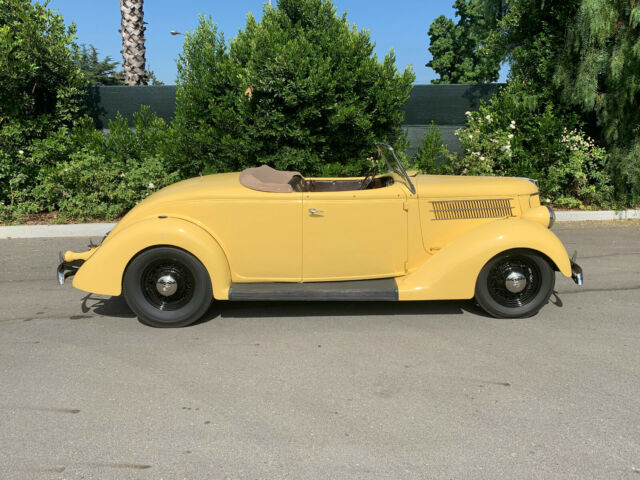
(313,211)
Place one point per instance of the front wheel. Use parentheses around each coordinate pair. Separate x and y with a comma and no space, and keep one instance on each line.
(167,287)
(515,284)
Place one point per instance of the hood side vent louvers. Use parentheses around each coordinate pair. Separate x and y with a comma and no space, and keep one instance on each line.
(472,209)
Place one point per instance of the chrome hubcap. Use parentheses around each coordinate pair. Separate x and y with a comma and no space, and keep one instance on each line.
(515,282)
(166,285)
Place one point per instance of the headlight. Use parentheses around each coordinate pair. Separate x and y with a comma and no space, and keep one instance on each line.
(541,214)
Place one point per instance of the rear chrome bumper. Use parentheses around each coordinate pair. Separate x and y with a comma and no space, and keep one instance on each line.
(67,269)
(576,270)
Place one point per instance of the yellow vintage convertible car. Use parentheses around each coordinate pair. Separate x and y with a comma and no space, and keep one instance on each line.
(265,234)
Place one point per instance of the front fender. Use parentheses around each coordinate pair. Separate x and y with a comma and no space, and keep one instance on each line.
(452,272)
(102,272)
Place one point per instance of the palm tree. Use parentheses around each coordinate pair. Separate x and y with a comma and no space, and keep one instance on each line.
(133,49)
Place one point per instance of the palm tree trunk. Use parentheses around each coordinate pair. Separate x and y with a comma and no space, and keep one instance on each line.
(133,49)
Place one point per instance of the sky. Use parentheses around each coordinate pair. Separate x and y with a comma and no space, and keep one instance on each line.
(400,25)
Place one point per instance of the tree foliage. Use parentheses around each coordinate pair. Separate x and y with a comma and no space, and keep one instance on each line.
(578,60)
(530,36)
(96,71)
(599,72)
(103,72)
(38,76)
(40,89)
(301,89)
(459,50)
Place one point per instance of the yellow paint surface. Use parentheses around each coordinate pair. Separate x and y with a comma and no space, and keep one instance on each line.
(244,235)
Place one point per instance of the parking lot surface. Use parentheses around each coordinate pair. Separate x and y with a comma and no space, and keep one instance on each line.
(424,390)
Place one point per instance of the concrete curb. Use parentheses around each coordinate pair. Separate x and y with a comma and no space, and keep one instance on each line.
(101,229)
(52,231)
(596,215)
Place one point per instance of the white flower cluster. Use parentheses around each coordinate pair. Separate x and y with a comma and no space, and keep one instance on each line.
(575,140)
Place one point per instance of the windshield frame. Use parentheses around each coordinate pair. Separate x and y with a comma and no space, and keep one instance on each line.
(384,151)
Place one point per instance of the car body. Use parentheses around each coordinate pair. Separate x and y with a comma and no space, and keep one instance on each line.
(399,237)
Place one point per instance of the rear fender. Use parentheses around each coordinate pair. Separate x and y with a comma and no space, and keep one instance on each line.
(102,272)
(452,272)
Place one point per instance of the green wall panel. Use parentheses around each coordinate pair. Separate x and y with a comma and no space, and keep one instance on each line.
(443,105)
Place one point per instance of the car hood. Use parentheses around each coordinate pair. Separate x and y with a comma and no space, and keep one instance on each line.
(447,186)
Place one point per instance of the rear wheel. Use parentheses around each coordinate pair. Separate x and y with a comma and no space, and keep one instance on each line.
(515,284)
(167,287)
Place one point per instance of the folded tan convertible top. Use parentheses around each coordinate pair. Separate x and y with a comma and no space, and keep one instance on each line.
(267,179)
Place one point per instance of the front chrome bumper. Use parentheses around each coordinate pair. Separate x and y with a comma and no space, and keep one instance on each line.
(576,270)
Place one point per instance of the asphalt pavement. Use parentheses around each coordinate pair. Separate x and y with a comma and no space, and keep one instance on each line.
(423,390)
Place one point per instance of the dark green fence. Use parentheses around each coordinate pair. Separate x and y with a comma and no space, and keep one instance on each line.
(105,102)
(443,105)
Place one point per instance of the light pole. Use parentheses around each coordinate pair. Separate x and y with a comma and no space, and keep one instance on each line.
(173,34)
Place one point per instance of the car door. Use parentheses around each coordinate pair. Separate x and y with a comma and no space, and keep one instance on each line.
(354,235)
(261,234)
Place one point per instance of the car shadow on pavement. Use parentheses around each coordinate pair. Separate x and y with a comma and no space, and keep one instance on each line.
(117,307)
(335,309)
(108,307)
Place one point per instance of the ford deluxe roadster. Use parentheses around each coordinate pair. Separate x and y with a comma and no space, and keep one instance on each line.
(265,234)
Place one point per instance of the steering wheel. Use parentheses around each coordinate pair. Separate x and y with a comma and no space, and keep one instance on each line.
(371,175)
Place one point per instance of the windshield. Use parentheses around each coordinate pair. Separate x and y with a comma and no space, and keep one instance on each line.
(387,153)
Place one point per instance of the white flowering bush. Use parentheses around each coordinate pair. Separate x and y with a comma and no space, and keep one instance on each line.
(511,137)
(582,179)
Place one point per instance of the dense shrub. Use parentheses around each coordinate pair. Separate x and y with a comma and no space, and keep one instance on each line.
(299,90)
(431,153)
(39,92)
(104,176)
(514,135)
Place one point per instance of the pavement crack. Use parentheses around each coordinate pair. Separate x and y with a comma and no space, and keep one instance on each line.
(619,254)
(46,409)
(589,290)
(134,466)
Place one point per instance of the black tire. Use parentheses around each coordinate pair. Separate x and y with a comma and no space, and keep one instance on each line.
(186,305)
(493,292)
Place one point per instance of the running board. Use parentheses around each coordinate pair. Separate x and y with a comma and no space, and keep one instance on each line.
(384,289)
